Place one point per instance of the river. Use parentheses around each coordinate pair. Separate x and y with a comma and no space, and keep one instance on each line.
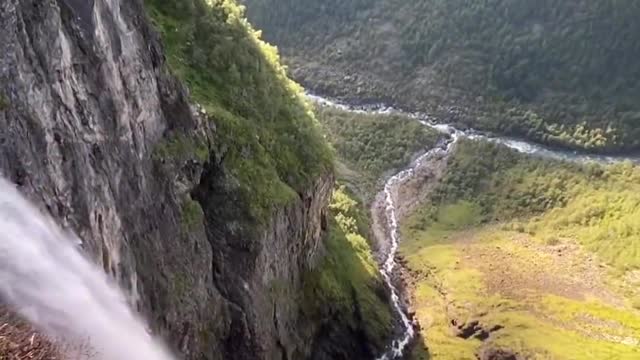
(398,346)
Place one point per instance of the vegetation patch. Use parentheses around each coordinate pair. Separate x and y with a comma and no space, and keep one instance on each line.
(511,249)
(271,142)
(4,102)
(346,288)
(181,147)
(192,214)
(370,146)
(562,72)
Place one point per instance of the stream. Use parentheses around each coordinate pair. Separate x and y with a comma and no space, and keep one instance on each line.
(387,267)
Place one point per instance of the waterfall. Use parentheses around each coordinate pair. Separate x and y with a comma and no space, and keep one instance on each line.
(47,280)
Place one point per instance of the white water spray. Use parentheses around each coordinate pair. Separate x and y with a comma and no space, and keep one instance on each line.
(47,280)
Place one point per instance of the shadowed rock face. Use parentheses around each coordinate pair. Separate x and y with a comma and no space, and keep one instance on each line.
(85,100)
(83,11)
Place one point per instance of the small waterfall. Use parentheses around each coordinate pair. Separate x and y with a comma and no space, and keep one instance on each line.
(47,280)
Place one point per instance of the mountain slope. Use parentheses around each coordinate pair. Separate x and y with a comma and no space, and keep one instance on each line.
(527,258)
(207,202)
(560,72)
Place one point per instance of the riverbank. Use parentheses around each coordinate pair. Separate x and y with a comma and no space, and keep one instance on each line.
(402,195)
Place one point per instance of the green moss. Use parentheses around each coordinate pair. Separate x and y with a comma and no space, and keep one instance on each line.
(181,147)
(192,215)
(271,143)
(536,338)
(627,323)
(4,102)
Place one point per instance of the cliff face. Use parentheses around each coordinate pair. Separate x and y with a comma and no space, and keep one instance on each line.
(97,131)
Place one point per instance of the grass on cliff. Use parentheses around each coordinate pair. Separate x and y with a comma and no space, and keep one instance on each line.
(265,132)
(346,287)
(546,250)
(370,146)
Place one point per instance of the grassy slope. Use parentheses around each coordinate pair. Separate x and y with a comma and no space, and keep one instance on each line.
(346,289)
(270,140)
(273,148)
(370,146)
(562,72)
(545,249)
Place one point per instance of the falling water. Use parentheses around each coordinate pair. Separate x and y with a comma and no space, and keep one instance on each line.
(48,281)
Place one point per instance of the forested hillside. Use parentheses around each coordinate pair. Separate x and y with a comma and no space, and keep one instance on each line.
(560,72)
(528,258)
(370,146)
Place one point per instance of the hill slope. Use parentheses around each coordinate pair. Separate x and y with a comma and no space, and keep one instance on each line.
(167,135)
(560,72)
(534,258)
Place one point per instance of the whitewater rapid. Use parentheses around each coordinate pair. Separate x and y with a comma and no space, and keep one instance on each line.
(44,277)
(387,268)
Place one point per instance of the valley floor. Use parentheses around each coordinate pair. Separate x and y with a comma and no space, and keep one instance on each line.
(506,256)
(484,289)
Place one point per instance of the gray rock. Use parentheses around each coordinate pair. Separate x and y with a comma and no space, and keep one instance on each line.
(87,99)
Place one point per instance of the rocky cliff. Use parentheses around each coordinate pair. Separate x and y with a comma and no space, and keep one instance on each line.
(97,130)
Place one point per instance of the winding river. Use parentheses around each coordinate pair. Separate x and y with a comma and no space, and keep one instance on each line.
(388,266)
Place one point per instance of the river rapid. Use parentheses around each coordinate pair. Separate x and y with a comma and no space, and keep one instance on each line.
(396,350)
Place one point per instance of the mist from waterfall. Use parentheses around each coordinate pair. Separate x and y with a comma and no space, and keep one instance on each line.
(47,280)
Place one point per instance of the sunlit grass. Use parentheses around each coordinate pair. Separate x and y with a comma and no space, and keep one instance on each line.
(482,207)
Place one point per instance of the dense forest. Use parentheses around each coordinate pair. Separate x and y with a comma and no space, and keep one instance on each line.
(560,72)
(370,146)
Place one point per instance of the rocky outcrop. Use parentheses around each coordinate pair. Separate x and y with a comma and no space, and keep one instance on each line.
(86,106)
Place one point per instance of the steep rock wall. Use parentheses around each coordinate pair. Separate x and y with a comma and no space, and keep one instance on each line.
(86,104)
